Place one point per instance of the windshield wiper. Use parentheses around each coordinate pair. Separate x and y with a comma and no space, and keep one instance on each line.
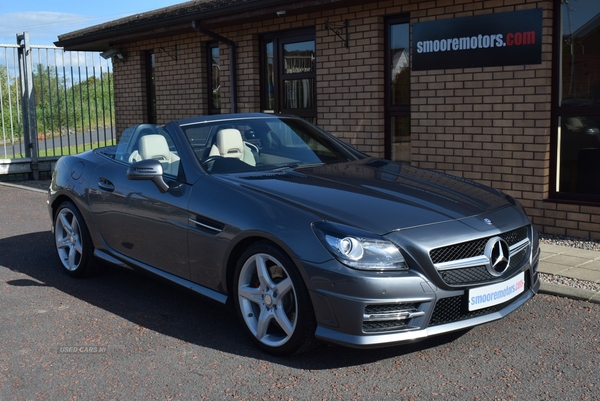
(297,165)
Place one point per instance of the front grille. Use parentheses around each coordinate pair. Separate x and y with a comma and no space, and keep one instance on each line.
(454,309)
(480,274)
(474,248)
(477,274)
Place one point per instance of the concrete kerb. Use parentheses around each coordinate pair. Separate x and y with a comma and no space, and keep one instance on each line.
(7,184)
(570,292)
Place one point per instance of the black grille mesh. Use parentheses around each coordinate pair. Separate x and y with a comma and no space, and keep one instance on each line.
(374,327)
(479,274)
(454,309)
(448,310)
(474,248)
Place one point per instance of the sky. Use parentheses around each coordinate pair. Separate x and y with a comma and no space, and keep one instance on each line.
(46,19)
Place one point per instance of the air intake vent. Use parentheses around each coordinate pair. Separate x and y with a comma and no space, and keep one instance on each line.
(450,310)
(389,317)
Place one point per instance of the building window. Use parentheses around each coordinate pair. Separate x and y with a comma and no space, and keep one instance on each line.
(288,73)
(214,78)
(397,93)
(150,87)
(576,116)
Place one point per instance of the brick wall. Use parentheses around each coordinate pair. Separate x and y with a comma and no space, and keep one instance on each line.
(491,124)
(349,80)
(180,80)
(130,89)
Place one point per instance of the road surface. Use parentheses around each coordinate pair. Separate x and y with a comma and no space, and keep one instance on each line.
(121,335)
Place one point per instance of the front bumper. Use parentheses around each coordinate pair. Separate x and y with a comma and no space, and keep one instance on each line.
(395,338)
(367,310)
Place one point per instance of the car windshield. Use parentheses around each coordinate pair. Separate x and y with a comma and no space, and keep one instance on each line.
(268,143)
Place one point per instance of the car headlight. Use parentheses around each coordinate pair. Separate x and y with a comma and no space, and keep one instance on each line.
(359,249)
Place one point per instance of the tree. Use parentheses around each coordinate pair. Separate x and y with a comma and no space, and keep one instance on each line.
(63,107)
(10,112)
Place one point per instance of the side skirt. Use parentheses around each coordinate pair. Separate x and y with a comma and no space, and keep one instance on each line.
(128,263)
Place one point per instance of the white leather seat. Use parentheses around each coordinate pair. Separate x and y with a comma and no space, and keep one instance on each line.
(229,143)
(156,147)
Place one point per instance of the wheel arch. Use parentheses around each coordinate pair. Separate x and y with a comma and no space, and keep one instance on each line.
(73,242)
(56,202)
(238,249)
(81,206)
(303,326)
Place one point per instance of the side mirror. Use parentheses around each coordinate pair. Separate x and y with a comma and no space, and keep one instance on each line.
(148,169)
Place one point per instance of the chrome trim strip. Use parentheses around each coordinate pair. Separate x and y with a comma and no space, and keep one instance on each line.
(211,228)
(519,246)
(197,288)
(380,317)
(463,263)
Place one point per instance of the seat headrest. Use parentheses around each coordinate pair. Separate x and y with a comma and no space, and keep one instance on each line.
(574,123)
(154,147)
(229,143)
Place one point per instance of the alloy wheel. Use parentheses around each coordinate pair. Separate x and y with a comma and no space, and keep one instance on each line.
(68,239)
(267,300)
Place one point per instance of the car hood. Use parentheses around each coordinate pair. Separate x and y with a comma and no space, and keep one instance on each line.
(377,195)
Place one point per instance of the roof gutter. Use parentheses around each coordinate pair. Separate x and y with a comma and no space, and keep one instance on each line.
(232,59)
(162,19)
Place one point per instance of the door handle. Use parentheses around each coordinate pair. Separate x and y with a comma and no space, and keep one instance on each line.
(105,185)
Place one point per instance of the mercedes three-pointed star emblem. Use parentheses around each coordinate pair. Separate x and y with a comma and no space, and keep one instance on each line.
(498,254)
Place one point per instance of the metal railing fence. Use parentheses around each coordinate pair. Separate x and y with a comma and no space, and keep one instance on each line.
(52,102)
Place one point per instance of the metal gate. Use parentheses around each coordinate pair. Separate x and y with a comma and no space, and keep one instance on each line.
(52,103)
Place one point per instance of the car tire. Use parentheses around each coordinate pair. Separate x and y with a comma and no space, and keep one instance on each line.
(72,241)
(272,302)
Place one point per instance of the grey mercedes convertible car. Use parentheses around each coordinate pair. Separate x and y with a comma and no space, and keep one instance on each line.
(304,236)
